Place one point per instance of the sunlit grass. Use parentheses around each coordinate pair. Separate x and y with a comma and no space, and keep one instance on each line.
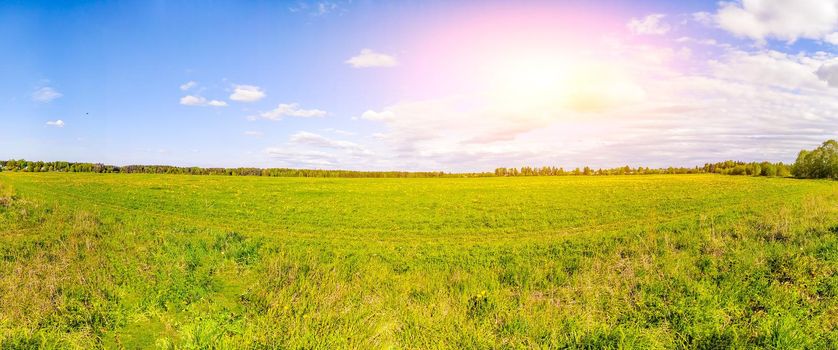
(91,260)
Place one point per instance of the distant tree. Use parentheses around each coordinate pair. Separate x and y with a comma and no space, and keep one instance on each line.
(768,169)
(783,170)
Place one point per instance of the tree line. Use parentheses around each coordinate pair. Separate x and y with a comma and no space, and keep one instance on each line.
(71,167)
(727,168)
(821,162)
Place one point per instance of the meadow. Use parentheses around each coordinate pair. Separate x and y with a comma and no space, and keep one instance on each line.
(194,262)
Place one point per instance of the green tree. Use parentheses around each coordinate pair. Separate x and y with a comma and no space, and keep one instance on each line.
(820,163)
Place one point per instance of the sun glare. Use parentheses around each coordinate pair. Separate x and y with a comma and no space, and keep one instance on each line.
(530,81)
(552,84)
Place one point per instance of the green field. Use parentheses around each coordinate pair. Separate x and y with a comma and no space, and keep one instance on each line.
(175,261)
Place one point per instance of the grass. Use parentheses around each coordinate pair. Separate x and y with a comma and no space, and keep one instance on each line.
(193,262)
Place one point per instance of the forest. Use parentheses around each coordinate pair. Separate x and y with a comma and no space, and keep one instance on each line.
(821,162)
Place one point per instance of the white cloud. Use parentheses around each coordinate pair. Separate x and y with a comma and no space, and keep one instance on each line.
(56,123)
(290,110)
(339,132)
(369,58)
(306,158)
(650,25)
(45,94)
(192,100)
(188,85)
(312,139)
(702,17)
(325,7)
(373,115)
(779,19)
(316,9)
(327,152)
(247,93)
(829,74)
(832,38)
(708,42)
(769,68)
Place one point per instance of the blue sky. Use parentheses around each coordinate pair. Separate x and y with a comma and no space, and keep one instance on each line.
(416,85)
